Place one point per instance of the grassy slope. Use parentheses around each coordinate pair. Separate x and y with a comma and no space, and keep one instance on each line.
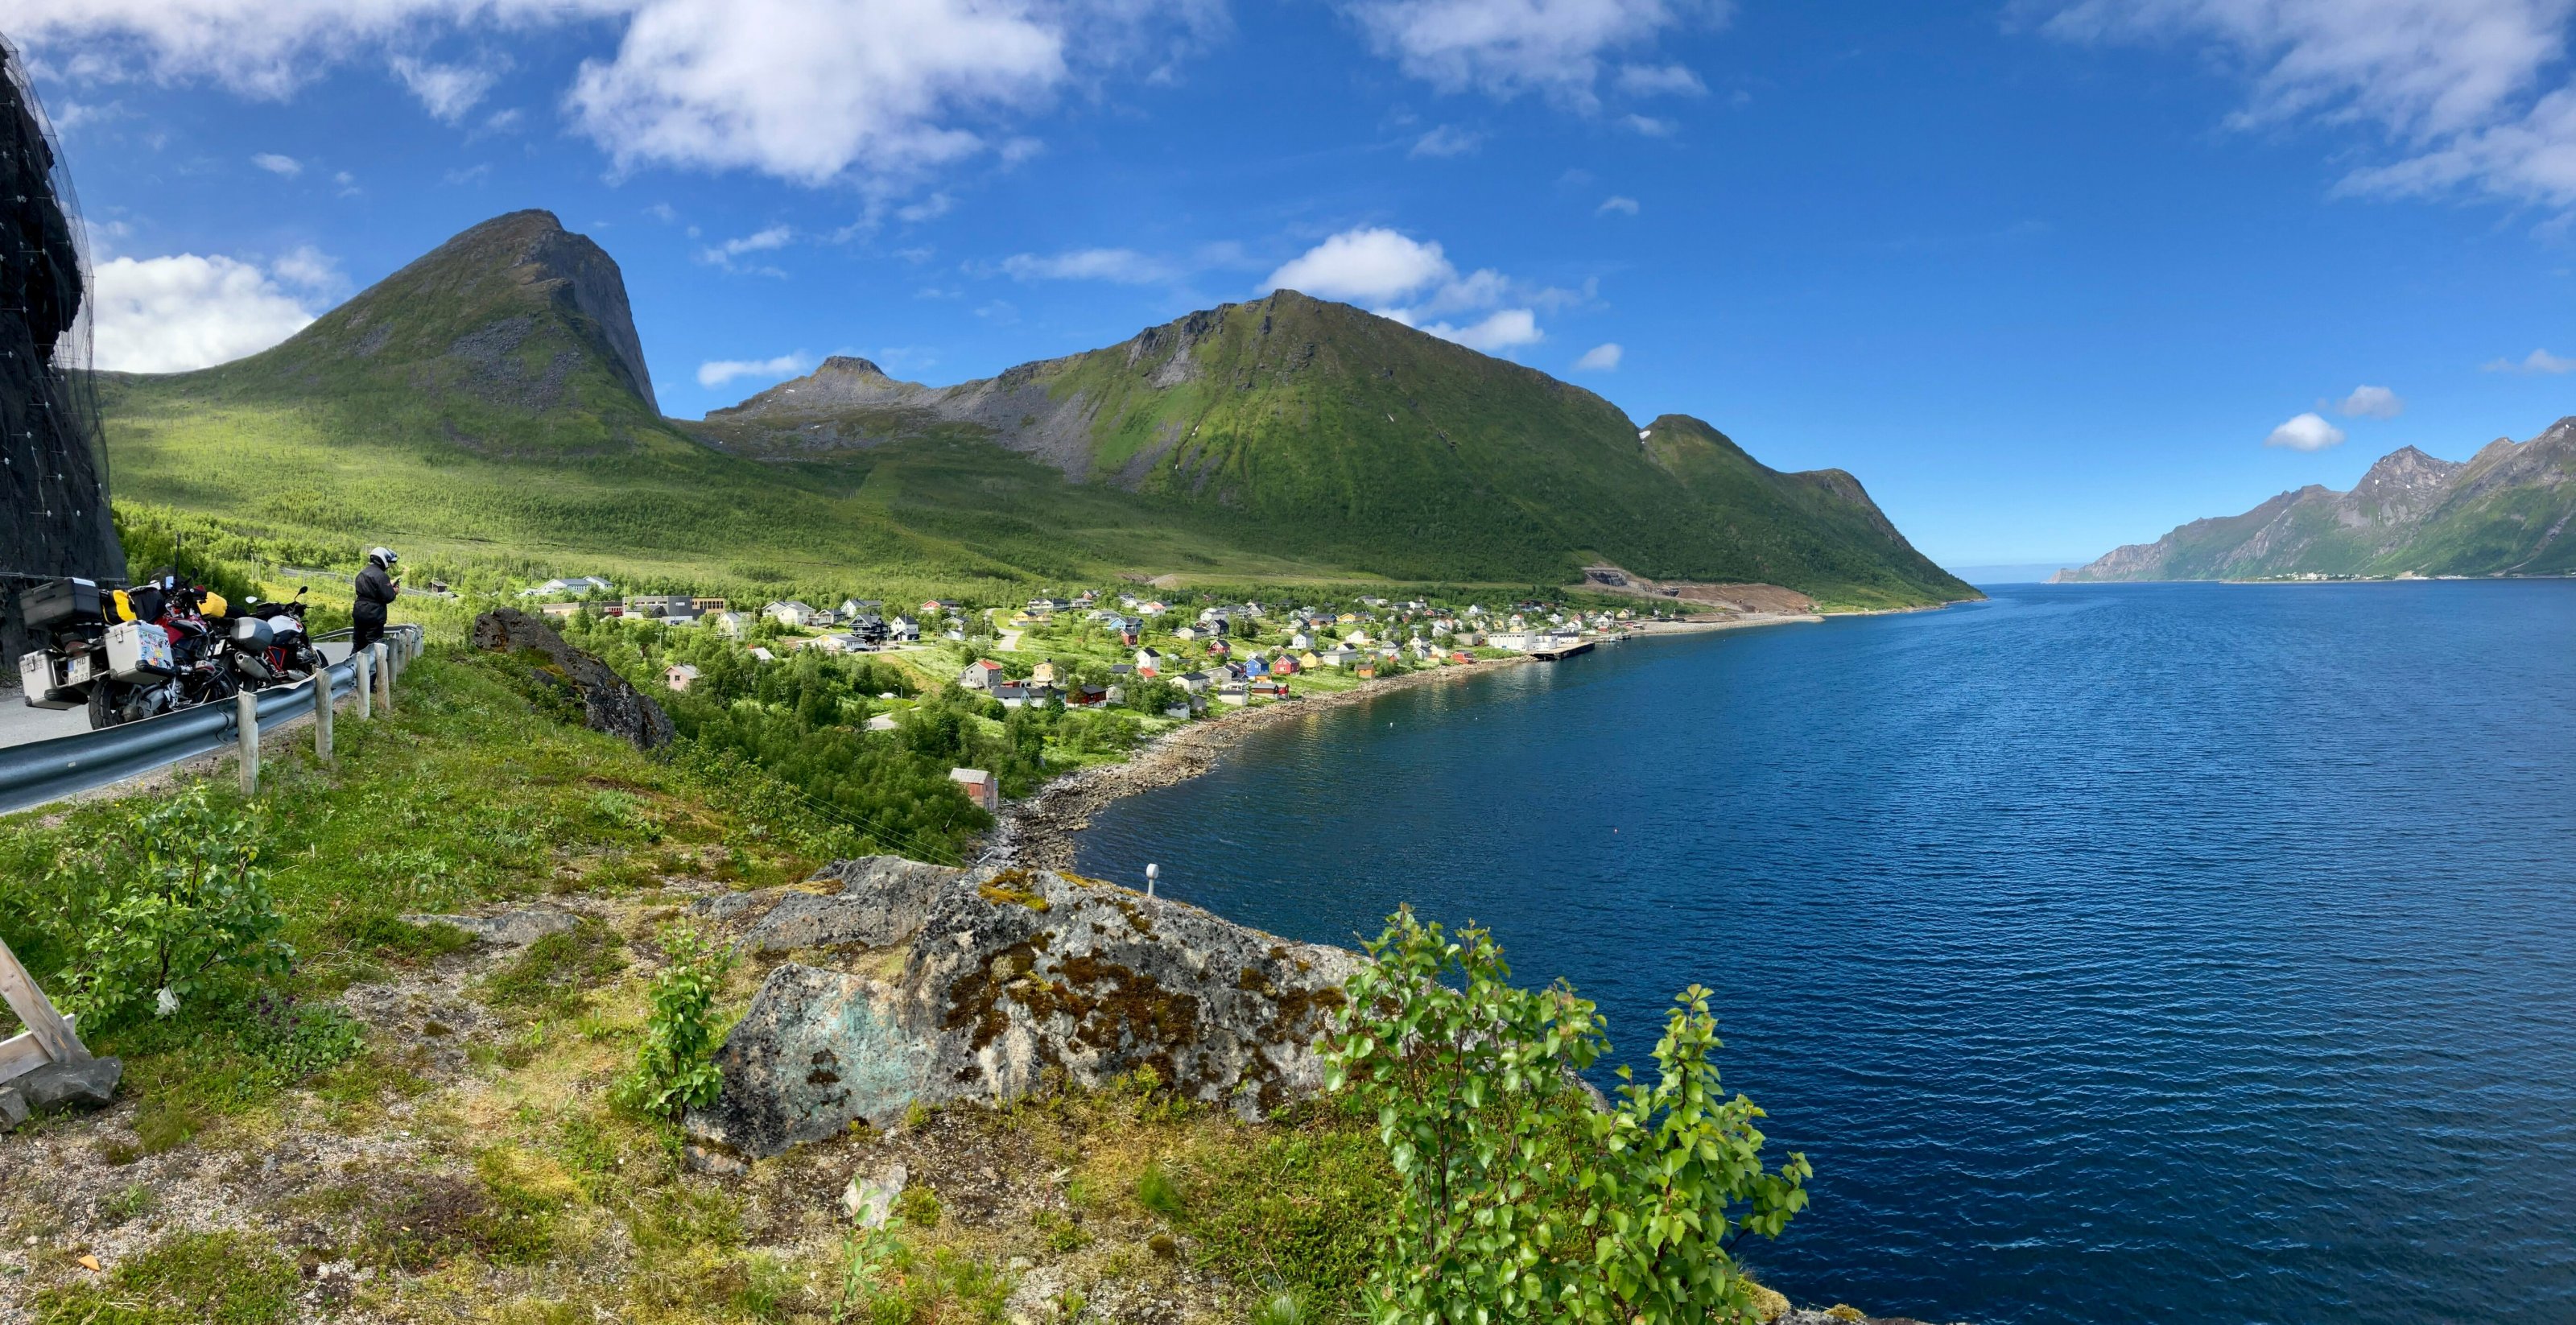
(499,1182)
(1335,436)
(466,407)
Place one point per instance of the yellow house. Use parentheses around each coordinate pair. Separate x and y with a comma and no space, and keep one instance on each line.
(1309,660)
(1043,674)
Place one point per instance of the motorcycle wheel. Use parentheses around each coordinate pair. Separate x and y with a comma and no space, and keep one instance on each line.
(104,711)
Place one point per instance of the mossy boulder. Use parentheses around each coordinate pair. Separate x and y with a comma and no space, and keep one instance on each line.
(1013,982)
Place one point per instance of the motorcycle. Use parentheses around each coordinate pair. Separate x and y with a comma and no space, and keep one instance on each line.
(267,645)
(159,647)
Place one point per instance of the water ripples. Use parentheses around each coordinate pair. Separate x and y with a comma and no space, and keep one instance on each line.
(2116,953)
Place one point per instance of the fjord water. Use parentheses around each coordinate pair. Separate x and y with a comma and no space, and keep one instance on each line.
(2115,953)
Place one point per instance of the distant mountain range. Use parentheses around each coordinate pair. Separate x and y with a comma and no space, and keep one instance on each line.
(2504,511)
(492,398)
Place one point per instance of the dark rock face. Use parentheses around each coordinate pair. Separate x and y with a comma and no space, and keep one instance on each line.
(1009,981)
(608,703)
(13,1109)
(87,1084)
(53,486)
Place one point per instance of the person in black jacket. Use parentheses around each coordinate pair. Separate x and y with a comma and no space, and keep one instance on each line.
(376,592)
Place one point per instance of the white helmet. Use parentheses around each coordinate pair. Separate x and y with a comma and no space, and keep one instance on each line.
(382,556)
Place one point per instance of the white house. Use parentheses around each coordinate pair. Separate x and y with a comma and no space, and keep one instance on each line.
(791,613)
(678,676)
(1148,660)
(582,585)
(981,674)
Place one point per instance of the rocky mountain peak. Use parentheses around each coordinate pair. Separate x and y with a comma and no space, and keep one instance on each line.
(517,280)
(2405,470)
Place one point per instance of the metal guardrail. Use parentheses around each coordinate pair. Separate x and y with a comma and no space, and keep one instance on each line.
(41,772)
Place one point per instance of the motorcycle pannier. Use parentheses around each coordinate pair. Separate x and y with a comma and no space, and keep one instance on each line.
(252,632)
(137,649)
(57,603)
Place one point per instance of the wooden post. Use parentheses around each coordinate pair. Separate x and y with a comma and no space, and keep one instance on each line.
(366,685)
(52,1033)
(322,714)
(246,719)
(384,665)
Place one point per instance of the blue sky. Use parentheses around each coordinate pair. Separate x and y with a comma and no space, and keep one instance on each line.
(2047,277)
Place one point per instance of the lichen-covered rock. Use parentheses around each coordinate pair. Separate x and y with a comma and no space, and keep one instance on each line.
(1025,971)
(817,1050)
(510,929)
(608,703)
(1009,978)
(874,902)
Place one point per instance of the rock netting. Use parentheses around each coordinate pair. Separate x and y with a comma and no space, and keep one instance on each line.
(993,984)
(608,703)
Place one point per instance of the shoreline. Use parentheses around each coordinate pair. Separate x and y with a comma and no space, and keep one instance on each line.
(1037,832)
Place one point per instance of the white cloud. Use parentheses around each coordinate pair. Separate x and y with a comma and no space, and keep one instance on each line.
(447,90)
(1600,358)
(2538,361)
(1446,140)
(763,241)
(928,209)
(1507,47)
(816,90)
(717,372)
(1620,203)
(1506,329)
(278,164)
(1123,266)
(2461,89)
(1650,80)
(173,314)
(2371,402)
(260,48)
(1648,125)
(1368,263)
(69,114)
(808,90)
(1413,281)
(310,269)
(2307,432)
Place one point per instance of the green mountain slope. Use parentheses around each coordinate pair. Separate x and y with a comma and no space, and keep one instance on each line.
(491,401)
(2505,511)
(1343,437)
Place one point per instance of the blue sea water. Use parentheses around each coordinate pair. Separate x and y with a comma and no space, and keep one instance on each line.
(2115,953)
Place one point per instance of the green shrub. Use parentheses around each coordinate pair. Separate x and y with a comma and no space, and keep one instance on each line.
(174,902)
(671,1069)
(1517,1200)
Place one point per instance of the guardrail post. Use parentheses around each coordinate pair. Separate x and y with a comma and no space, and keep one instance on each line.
(246,719)
(322,715)
(384,661)
(366,684)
